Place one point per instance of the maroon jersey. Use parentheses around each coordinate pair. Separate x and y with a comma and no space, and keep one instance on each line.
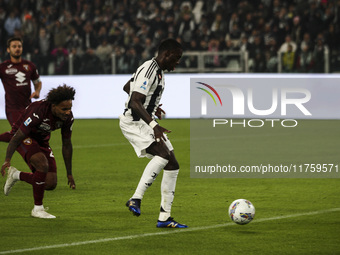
(37,122)
(16,79)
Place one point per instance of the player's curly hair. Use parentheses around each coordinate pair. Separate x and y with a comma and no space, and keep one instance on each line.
(61,93)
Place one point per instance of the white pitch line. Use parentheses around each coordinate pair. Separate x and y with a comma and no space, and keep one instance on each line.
(168,232)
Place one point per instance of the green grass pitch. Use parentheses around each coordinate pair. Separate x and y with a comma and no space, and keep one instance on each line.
(293,216)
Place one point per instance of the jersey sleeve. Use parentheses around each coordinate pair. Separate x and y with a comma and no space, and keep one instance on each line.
(35,74)
(33,118)
(144,80)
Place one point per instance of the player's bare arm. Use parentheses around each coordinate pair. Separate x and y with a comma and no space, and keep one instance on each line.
(67,151)
(137,106)
(159,111)
(37,89)
(13,144)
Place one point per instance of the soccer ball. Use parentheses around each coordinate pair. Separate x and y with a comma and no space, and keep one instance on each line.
(241,211)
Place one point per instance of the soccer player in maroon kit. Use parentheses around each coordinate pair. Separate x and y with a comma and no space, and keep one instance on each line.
(30,137)
(16,75)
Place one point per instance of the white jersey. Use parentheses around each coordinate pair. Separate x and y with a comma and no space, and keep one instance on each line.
(149,81)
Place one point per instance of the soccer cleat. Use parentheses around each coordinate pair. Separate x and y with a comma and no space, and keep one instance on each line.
(170,223)
(10,180)
(134,206)
(42,214)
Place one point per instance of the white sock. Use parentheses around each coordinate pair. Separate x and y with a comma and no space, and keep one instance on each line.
(38,207)
(150,173)
(168,186)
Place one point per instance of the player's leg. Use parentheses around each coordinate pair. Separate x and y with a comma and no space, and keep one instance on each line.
(15,175)
(51,181)
(168,187)
(140,135)
(154,167)
(35,158)
(40,163)
(5,137)
(26,149)
(11,117)
(151,171)
(51,177)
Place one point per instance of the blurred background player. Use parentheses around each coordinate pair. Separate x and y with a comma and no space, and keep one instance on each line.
(16,75)
(145,135)
(30,137)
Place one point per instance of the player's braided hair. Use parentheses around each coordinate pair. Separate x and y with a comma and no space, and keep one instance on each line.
(169,44)
(61,93)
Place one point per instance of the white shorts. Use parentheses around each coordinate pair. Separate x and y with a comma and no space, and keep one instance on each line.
(140,135)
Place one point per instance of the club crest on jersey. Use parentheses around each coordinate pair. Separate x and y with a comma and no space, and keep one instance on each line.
(27,121)
(26,67)
(143,85)
(27,141)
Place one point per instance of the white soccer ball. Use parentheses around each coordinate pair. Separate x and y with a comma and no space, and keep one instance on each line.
(241,211)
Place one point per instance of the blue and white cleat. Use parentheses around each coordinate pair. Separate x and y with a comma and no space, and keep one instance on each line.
(170,223)
(134,206)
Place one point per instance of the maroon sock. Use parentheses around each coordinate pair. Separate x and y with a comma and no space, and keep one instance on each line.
(26,177)
(5,137)
(38,187)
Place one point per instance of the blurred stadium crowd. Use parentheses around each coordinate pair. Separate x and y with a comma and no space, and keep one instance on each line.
(91,31)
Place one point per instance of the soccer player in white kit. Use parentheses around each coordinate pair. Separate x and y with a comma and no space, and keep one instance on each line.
(147,137)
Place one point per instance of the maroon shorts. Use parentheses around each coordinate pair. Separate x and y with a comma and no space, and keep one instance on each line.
(29,147)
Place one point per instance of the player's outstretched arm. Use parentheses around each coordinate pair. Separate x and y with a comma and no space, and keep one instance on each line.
(12,146)
(67,151)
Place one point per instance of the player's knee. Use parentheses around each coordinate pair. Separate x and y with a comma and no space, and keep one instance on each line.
(51,181)
(158,150)
(164,155)
(39,162)
(172,165)
(50,186)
